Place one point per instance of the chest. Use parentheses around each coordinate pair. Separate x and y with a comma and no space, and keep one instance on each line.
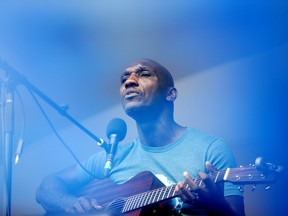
(171,164)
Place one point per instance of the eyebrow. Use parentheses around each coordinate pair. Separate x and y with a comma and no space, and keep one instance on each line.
(135,68)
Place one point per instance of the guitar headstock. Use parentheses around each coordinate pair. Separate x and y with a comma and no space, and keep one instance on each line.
(261,173)
(249,175)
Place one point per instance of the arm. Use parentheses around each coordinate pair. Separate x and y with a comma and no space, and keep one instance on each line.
(55,193)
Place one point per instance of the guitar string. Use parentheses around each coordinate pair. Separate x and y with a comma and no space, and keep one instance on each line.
(135,200)
(152,195)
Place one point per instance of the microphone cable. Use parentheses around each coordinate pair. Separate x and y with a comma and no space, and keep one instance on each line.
(58,135)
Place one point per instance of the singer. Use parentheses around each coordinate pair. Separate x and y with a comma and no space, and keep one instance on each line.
(173,155)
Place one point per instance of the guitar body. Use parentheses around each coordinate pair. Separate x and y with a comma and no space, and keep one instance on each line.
(110,195)
(145,194)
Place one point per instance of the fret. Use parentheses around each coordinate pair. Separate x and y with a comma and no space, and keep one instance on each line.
(165,193)
(174,191)
(152,196)
(143,199)
(162,193)
(133,200)
(200,183)
(128,208)
(242,175)
(147,199)
(158,195)
(125,207)
(140,200)
(155,196)
(133,204)
(216,178)
(136,200)
(169,192)
(130,203)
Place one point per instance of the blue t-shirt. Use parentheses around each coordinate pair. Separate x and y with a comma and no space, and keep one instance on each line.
(188,153)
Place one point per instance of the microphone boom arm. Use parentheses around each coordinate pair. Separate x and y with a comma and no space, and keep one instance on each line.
(19,78)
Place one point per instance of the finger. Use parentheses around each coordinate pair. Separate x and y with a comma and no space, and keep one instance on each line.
(193,191)
(210,167)
(83,204)
(192,185)
(76,208)
(208,182)
(95,204)
(196,187)
(180,190)
(70,210)
(185,194)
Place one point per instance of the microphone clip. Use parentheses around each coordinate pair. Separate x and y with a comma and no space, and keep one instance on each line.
(104,145)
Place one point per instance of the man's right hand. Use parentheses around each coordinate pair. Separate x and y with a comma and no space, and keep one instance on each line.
(83,204)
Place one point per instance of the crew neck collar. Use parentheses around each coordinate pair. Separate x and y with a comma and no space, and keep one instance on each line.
(166,147)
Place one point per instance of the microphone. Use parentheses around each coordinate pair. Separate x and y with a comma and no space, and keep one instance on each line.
(116,131)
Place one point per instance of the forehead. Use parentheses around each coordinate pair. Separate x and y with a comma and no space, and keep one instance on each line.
(139,66)
(147,64)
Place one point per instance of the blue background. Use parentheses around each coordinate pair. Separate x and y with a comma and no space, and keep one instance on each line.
(229,60)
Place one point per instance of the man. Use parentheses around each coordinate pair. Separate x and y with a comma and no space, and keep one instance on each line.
(163,147)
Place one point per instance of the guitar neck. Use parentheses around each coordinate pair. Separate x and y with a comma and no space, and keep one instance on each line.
(145,189)
(162,193)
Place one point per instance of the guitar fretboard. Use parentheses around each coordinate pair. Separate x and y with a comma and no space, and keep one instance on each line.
(160,194)
(147,198)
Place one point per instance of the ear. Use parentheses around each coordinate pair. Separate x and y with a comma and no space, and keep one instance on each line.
(172,94)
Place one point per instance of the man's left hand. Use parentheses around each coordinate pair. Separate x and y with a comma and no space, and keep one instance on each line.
(207,194)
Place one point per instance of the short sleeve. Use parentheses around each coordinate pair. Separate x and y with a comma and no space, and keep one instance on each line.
(94,165)
(221,156)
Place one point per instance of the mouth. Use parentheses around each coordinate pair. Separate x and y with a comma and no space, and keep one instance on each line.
(131,94)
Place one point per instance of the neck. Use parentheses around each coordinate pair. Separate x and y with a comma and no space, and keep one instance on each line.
(159,131)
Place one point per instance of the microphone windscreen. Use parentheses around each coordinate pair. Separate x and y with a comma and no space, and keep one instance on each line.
(117,126)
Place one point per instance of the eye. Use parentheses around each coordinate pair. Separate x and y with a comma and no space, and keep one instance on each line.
(145,74)
(124,77)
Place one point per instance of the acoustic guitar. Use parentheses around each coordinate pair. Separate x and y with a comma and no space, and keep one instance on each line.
(144,192)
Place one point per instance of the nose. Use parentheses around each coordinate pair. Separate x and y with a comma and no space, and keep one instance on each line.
(132,80)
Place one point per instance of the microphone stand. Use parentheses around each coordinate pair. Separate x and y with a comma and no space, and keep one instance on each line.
(14,78)
(8,108)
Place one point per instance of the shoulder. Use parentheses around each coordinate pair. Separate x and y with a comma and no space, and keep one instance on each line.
(126,149)
(216,150)
(202,139)
(128,145)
